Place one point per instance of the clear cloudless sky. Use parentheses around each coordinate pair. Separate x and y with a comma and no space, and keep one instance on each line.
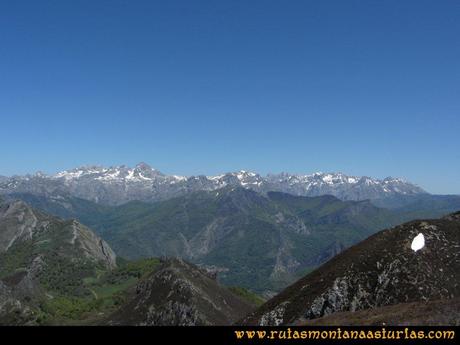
(203,87)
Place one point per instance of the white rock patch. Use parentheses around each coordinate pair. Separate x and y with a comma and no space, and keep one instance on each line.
(418,242)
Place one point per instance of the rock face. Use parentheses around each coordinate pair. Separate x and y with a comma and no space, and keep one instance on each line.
(93,247)
(382,270)
(43,255)
(432,313)
(20,225)
(118,185)
(12,311)
(180,294)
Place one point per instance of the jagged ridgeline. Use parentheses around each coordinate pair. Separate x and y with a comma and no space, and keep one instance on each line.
(120,184)
(382,278)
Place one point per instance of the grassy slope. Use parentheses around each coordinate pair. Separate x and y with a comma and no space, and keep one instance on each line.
(247,295)
(107,289)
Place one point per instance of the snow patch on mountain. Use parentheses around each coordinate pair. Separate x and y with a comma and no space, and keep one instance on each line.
(120,184)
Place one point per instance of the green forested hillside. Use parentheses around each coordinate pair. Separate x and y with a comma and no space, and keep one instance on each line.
(257,241)
(261,242)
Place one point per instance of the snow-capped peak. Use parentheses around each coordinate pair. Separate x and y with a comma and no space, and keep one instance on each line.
(119,184)
(242,174)
(144,167)
(142,171)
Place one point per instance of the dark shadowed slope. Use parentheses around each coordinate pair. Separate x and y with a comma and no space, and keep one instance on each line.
(181,294)
(431,313)
(382,270)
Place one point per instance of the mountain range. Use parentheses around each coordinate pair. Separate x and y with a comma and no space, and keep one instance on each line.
(234,235)
(58,272)
(257,241)
(121,184)
(261,241)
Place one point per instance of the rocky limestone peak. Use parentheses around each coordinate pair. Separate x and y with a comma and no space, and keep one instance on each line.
(18,223)
(146,171)
(21,224)
(120,184)
(143,166)
(92,246)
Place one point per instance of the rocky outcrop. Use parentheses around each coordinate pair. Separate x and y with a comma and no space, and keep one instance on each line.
(17,223)
(432,313)
(13,311)
(382,270)
(92,246)
(180,294)
(21,225)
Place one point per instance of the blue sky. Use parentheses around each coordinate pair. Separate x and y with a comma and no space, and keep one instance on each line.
(202,87)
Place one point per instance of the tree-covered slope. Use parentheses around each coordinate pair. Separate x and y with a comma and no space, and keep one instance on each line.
(257,241)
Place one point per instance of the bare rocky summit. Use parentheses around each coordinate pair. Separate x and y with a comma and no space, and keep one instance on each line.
(180,294)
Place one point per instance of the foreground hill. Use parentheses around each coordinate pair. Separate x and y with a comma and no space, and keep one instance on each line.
(431,313)
(180,294)
(382,270)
